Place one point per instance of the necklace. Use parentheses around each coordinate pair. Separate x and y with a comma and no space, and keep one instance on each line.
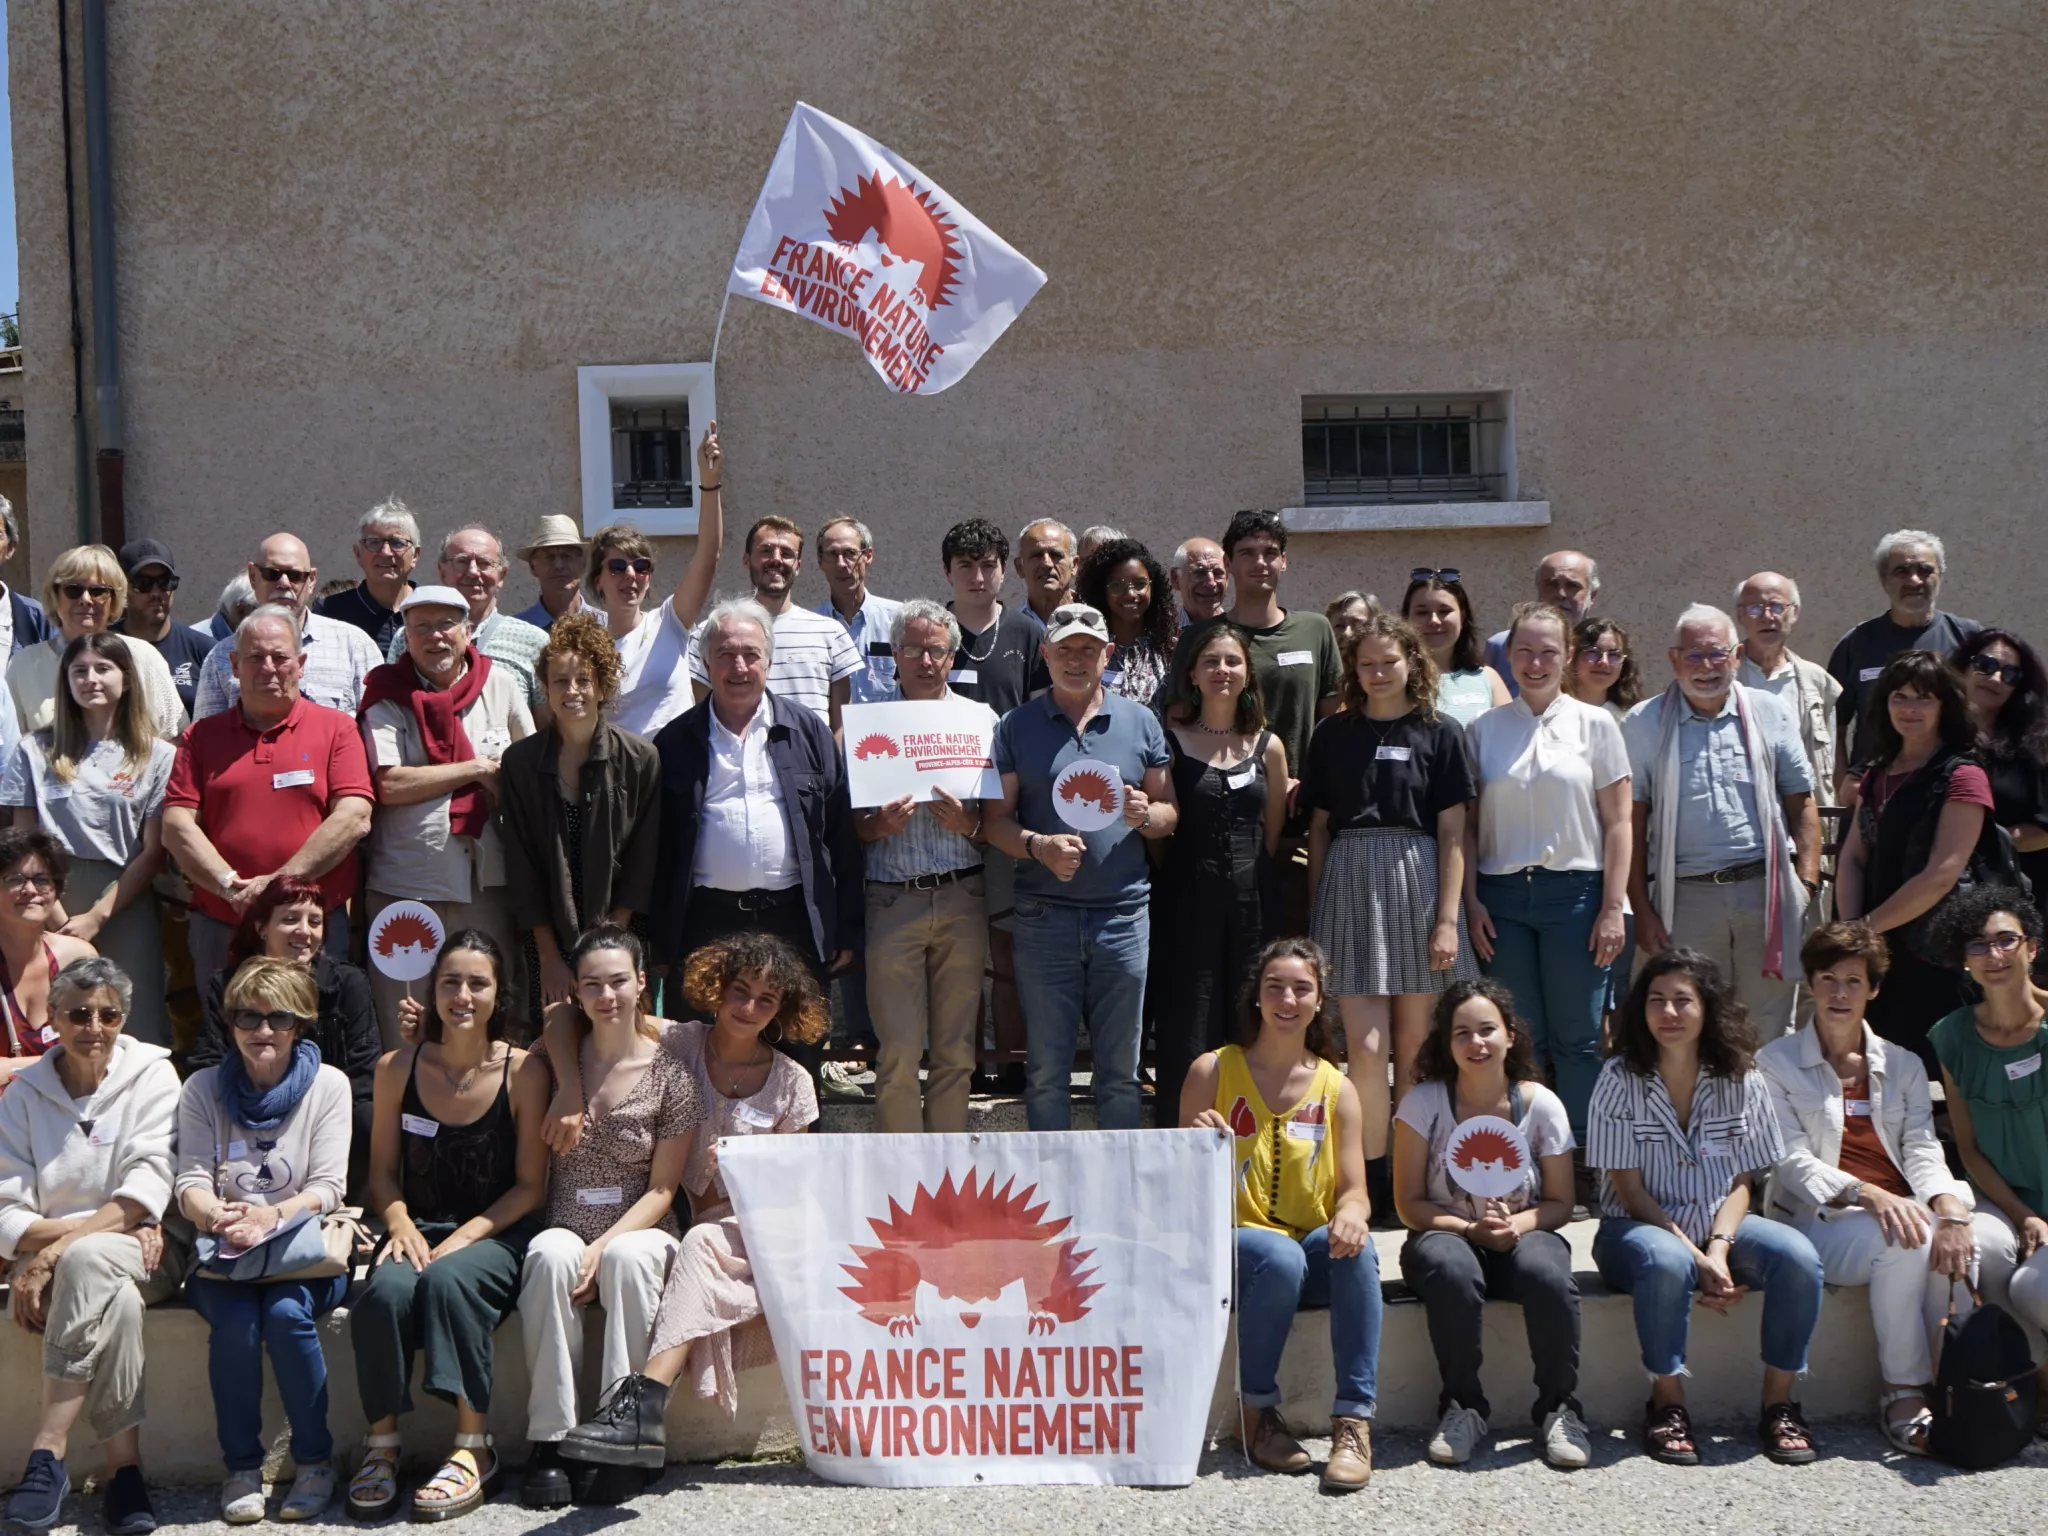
(734,1071)
(459,1086)
(994,633)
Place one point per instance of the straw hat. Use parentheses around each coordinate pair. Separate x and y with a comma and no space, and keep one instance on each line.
(552,532)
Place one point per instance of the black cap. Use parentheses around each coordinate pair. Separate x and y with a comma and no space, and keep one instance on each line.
(137,553)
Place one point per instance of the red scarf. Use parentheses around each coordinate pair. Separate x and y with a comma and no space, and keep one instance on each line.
(439,714)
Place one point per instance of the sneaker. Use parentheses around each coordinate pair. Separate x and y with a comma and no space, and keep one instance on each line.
(1456,1437)
(1350,1464)
(1566,1444)
(128,1510)
(626,1430)
(312,1491)
(38,1498)
(241,1498)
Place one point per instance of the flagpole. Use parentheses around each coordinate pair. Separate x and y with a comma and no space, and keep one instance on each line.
(719,330)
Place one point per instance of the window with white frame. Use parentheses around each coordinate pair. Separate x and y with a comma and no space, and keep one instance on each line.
(638,424)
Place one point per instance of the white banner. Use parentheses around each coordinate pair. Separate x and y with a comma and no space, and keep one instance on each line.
(961,1309)
(859,240)
(899,749)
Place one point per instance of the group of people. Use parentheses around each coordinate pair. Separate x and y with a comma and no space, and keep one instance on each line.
(1372,834)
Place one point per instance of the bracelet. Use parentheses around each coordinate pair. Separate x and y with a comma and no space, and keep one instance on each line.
(1952,1221)
(1031,846)
(971,836)
(704,489)
(1719,1237)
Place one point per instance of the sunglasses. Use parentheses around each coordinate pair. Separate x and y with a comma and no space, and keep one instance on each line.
(72,591)
(1424,573)
(153,583)
(1991,666)
(283,573)
(1999,943)
(85,1015)
(641,567)
(249,1020)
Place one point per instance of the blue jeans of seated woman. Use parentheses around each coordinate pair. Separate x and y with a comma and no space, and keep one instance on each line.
(1542,926)
(1276,1277)
(1656,1269)
(282,1315)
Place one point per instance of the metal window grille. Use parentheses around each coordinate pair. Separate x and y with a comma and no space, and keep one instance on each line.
(650,454)
(1376,450)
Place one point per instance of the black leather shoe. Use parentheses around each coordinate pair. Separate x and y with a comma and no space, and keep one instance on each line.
(626,1430)
(545,1483)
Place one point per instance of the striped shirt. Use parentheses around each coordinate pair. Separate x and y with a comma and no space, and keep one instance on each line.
(1732,1131)
(334,659)
(923,847)
(812,653)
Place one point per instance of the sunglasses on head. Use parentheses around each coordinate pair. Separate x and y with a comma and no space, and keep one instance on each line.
(640,567)
(164,583)
(1991,666)
(1424,573)
(72,591)
(283,573)
(83,1014)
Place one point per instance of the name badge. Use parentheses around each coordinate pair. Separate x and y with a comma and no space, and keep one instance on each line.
(104,1135)
(291,780)
(49,1033)
(1304,1130)
(760,1119)
(56,789)
(1237,780)
(492,743)
(1295,659)
(1856,1107)
(963,675)
(1393,754)
(1112,674)
(609,1195)
(2027,1067)
(419,1125)
(237,1150)
(1870,674)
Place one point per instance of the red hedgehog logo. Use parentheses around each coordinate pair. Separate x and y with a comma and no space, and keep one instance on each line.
(876,745)
(970,1243)
(1487,1146)
(404,931)
(907,225)
(1091,786)
(1242,1121)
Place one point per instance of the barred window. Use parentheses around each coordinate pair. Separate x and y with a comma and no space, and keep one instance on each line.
(1366,449)
(650,453)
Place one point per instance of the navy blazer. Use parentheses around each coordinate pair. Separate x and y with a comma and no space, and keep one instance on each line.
(828,854)
(31,624)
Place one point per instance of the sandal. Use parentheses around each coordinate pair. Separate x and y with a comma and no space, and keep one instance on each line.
(373,1491)
(1667,1433)
(1910,1433)
(1786,1438)
(462,1484)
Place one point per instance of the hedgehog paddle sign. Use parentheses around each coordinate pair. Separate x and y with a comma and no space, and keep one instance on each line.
(1488,1157)
(1088,795)
(899,749)
(405,940)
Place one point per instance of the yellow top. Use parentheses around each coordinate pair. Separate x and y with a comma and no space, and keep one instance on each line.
(1286,1162)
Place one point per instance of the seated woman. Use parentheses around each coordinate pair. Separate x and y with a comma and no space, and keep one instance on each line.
(263,1139)
(458,1174)
(611,1204)
(288,922)
(1997,1097)
(708,1326)
(1680,1119)
(1476,1060)
(1863,1175)
(85,1174)
(33,869)
(1303,1219)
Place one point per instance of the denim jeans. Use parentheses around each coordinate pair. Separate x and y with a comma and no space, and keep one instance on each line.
(1656,1269)
(244,1319)
(1542,923)
(1276,1277)
(1076,963)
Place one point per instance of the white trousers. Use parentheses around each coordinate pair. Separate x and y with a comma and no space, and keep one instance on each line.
(1907,1299)
(629,1281)
(2022,1289)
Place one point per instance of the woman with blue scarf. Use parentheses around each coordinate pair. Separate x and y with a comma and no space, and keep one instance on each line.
(263,1143)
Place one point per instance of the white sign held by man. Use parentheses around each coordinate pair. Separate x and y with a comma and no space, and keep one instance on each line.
(856,238)
(953,1310)
(912,748)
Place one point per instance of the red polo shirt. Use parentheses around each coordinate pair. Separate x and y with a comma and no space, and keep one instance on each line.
(261,794)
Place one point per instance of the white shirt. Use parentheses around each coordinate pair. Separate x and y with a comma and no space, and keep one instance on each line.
(656,685)
(6,621)
(812,653)
(1537,779)
(743,836)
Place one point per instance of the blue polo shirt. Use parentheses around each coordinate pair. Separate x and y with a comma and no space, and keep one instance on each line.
(1035,742)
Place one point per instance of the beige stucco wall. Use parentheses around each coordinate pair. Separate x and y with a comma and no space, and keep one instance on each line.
(1765,280)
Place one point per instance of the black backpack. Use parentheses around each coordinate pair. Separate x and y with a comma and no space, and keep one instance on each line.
(1984,1392)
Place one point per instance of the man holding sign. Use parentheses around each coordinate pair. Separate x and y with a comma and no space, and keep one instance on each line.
(927,914)
(1082,771)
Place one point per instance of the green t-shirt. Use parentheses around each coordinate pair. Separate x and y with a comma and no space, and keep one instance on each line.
(2007,1091)
(1297,667)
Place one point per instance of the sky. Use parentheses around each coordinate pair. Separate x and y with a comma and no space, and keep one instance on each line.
(10,274)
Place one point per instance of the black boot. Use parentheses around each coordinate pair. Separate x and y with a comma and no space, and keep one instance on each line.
(626,1430)
(545,1483)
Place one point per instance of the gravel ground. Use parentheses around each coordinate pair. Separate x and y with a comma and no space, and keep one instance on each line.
(1858,1487)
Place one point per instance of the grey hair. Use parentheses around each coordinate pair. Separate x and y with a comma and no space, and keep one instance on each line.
(1100,534)
(265,613)
(1592,567)
(237,594)
(9,521)
(1050,522)
(1892,541)
(88,974)
(390,513)
(456,533)
(1740,585)
(860,531)
(932,613)
(1703,613)
(726,611)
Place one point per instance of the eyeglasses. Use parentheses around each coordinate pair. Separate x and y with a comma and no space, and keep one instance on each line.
(1605,656)
(283,573)
(925,652)
(1713,658)
(1424,573)
(436,626)
(164,583)
(1922,571)
(1991,666)
(85,1015)
(2001,943)
(641,567)
(25,882)
(72,591)
(397,544)
(249,1020)
(472,562)
(1764,610)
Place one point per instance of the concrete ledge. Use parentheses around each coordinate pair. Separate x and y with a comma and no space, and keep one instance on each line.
(1395,518)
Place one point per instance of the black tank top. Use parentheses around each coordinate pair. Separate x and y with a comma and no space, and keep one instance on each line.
(456,1171)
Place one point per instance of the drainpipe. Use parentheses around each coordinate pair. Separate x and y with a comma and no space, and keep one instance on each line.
(81,489)
(106,314)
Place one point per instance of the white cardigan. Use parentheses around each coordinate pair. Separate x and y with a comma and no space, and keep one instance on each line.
(1807,1095)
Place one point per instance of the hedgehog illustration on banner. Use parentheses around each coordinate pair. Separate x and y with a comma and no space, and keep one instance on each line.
(1088,795)
(406,939)
(1487,1157)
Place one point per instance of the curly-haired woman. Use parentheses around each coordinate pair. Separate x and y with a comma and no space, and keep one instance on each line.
(708,1327)
(1123,582)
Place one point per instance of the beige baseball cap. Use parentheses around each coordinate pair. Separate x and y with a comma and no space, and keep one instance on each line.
(552,532)
(1076,619)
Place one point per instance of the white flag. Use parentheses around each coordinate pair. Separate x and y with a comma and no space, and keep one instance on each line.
(859,240)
